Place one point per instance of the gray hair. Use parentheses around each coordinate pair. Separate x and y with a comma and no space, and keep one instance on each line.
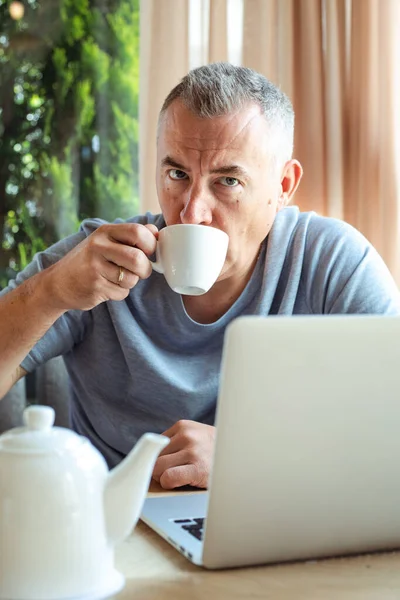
(221,88)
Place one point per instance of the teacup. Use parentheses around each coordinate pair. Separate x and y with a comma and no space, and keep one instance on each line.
(191,257)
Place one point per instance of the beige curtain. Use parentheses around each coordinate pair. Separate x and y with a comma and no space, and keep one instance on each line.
(372,151)
(218,39)
(338,60)
(164,60)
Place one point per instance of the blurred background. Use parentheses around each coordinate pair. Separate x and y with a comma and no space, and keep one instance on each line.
(69,89)
(82,81)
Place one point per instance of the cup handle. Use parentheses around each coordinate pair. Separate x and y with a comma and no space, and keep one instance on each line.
(156,265)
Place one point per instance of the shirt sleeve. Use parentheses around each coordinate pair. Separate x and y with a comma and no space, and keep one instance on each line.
(346,275)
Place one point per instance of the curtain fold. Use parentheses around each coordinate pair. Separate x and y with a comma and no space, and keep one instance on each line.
(334,81)
(260,22)
(389,86)
(309,103)
(372,153)
(164,60)
(218,36)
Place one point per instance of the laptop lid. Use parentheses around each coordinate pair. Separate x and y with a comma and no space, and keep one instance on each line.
(307,456)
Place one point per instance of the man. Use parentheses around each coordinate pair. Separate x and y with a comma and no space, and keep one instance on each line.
(142,358)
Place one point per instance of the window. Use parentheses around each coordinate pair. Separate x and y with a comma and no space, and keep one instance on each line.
(69,85)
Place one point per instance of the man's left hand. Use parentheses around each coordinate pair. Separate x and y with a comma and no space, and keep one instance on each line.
(187,458)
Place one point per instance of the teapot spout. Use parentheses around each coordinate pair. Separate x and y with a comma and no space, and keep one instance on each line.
(127,485)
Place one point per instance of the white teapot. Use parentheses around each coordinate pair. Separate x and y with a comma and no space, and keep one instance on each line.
(62,511)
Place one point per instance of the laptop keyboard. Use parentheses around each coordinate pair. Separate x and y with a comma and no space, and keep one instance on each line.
(193,526)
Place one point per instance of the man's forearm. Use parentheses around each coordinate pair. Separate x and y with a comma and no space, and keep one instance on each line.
(26,313)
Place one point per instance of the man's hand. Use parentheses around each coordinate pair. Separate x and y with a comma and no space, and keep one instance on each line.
(89,274)
(187,458)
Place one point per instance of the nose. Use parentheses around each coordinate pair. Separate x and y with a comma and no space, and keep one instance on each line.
(197,207)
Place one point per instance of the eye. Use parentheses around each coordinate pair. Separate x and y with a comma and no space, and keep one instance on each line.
(229,181)
(177,174)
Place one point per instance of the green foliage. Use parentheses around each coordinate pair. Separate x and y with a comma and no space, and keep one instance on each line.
(76,17)
(68,120)
(32,244)
(97,63)
(62,211)
(85,106)
(65,76)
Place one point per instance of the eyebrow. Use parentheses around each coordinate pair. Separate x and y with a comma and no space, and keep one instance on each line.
(231,170)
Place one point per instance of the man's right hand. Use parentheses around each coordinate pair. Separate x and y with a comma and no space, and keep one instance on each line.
(89,273)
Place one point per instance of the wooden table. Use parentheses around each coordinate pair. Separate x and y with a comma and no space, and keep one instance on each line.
(155,570)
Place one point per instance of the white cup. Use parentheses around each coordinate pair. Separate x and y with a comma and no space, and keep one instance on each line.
(191,257)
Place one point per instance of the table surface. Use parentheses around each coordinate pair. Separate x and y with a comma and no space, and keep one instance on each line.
(155,570)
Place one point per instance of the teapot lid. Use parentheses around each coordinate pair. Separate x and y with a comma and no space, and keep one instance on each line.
(39,435)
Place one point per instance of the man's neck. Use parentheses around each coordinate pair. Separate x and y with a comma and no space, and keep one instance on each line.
(210,307)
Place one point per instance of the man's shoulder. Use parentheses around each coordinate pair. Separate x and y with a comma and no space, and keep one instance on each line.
(89,225)
(316,241)
(334,249)
(326,233)
(317,229)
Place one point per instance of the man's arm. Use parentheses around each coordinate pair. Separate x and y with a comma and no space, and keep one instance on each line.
(26,313)
(82,279)
(19,374)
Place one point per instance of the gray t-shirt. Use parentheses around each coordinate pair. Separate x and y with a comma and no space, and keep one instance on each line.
(142,364)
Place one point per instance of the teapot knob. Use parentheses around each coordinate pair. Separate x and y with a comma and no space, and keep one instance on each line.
(39,417)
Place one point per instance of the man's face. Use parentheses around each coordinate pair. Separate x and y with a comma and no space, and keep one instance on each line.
(218,172)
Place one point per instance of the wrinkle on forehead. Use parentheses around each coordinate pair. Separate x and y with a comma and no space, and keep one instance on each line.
(209,134)
(246,125)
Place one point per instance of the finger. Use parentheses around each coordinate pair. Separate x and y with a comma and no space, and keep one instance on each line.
(179,476)
(132,234)
(119,276)
(180,436)
(130,259)
(166,462)
(177,443)
(177,427)
(171,431)
(153,229)
(111,291)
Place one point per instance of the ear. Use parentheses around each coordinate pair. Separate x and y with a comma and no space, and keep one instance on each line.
(290,179)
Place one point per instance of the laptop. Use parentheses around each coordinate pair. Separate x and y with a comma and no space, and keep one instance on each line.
(307,455)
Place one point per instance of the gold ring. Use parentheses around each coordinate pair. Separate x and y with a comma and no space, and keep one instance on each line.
(121,275)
